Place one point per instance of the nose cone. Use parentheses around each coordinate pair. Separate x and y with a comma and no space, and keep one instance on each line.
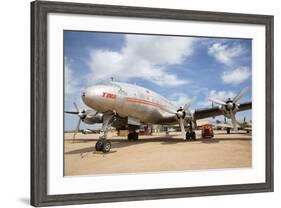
(94,97)
(91,94)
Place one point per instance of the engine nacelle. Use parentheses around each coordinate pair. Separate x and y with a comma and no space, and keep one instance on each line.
(93,118)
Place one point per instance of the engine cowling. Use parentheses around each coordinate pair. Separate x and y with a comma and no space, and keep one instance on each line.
(93,118)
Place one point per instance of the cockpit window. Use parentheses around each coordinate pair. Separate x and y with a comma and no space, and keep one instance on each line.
(122,92)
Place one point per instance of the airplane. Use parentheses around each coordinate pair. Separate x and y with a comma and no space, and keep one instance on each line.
(127,106)
(245,125)
(241,125)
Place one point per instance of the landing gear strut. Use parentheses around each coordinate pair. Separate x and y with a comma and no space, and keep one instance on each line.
(133,136)
(190,135)
(103,144)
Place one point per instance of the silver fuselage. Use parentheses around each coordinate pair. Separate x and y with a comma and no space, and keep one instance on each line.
(130,101)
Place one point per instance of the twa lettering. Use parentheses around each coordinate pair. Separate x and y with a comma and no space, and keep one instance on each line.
(108,95)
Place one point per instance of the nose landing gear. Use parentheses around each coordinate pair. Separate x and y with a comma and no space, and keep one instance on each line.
(103,144)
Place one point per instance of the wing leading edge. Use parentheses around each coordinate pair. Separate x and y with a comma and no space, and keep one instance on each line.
(217,111)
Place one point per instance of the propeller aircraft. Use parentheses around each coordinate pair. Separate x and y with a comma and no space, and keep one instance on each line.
(241,125)
(126,106)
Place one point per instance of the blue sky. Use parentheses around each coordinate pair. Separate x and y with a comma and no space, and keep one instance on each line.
(178,68)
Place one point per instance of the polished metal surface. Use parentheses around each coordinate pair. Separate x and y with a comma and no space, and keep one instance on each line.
(129,101)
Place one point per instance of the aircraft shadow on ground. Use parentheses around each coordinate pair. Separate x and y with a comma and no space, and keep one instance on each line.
(122,143)
(82,150)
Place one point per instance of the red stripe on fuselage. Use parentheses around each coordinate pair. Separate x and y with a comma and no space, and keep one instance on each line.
(135,100)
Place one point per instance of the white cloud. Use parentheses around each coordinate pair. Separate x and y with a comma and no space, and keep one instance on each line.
(70,83)
(221,95)
(236,76)
(179,99)
(224,53)
(145,57)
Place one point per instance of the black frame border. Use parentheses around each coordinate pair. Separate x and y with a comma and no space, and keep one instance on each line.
(39,12)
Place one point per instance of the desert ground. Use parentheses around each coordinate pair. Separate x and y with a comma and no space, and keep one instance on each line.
(156,153)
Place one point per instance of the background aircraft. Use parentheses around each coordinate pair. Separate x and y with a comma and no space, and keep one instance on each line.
(241,125)
(126,106)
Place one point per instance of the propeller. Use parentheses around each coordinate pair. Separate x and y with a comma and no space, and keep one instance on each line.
(214,100)
(231,105)
(81,114)
(240,94)
(181,114)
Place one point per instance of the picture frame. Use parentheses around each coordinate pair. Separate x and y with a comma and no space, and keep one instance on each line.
(39,102)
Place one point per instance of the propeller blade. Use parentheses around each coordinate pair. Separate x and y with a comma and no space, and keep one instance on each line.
(71,112)
(217,101)
(77,128)
(240,94)
(76,107)
(187,105)
(234,122)
(182,128)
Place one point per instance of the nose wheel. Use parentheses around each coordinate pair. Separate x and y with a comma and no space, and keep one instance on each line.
(103,145)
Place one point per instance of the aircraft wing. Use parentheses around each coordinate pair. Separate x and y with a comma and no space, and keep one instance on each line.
(216,111)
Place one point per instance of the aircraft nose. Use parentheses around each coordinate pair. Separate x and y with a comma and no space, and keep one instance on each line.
(91,95)
(88,93)
(99,97)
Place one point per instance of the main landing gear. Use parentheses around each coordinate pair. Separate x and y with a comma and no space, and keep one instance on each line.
(133,136)
(103,144)
(190,134)
(228,130)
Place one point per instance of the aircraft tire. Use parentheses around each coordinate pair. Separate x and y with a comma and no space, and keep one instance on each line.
(133,136)
(228,131)
(193,136)
(99,145)
(106,146)
(130,136)
(136,136)
(187,136)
